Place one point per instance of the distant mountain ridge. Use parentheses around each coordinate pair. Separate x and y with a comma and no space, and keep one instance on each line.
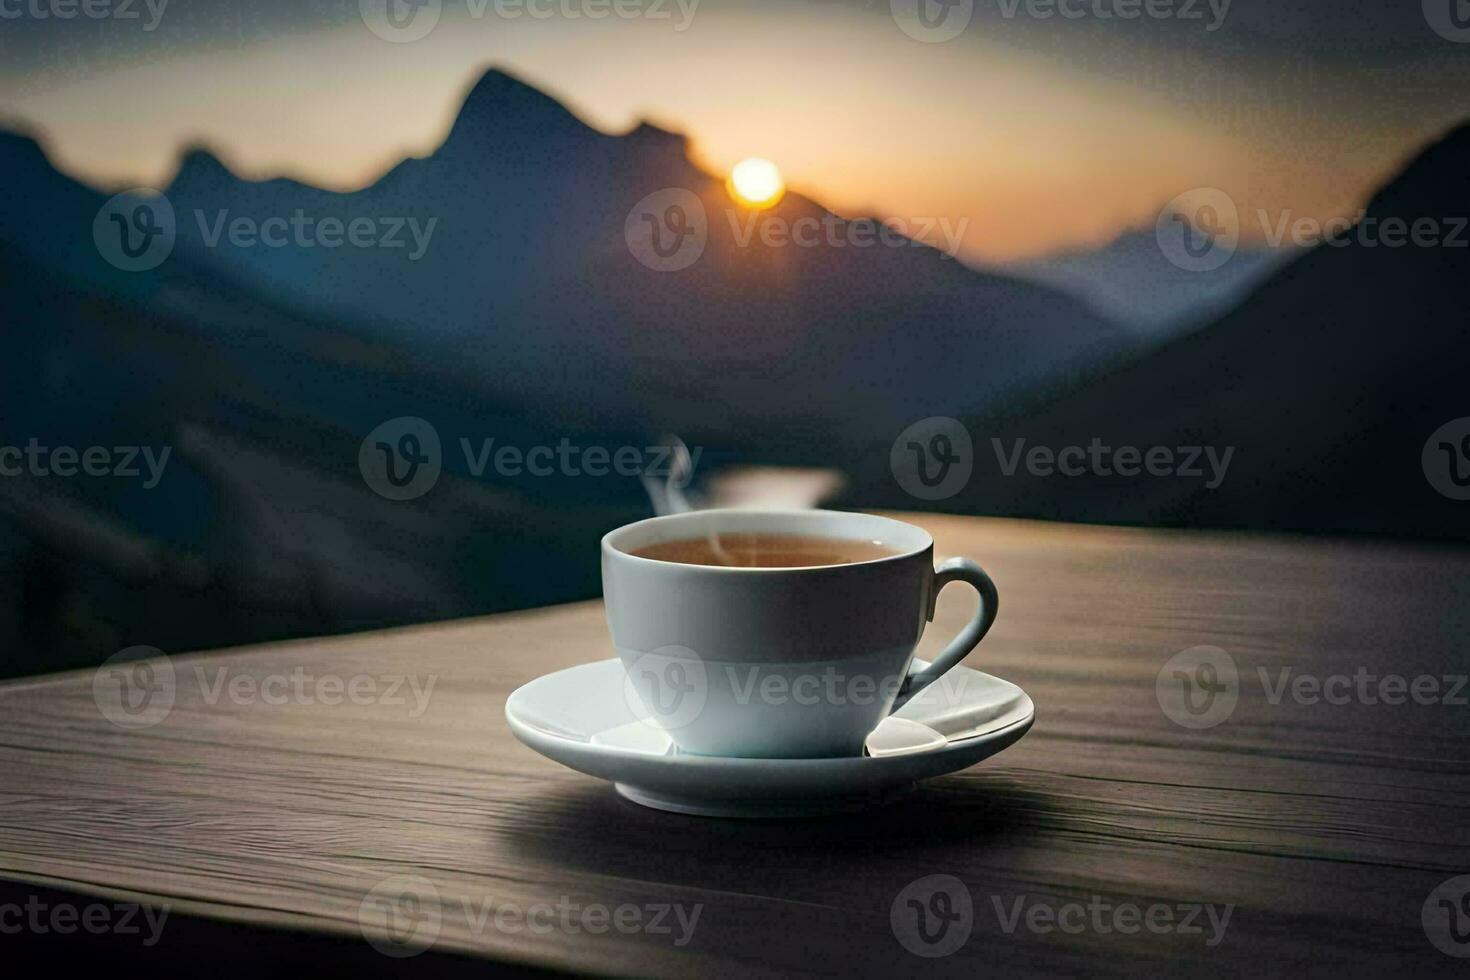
(1325,383)
(1131,281)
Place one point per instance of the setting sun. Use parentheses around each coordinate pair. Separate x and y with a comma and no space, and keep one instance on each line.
(756,183)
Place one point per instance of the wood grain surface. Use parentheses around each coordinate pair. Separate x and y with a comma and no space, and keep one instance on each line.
(1323,828)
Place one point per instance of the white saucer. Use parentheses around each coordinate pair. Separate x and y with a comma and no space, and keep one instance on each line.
(579,718)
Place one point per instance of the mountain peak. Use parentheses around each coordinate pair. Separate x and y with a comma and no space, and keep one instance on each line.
(199,166)
(1436,179)
(647,132)
(501,107)
(1454,144)
(20,147)
(496,85)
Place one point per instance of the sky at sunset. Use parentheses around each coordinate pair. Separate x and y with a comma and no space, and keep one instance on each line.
(1043,133)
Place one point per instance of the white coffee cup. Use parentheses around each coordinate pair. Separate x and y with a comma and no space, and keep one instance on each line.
(788,662)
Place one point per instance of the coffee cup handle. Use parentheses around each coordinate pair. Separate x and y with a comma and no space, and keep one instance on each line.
(954,570)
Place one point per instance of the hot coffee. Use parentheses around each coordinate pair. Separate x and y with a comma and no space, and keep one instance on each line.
(764,550)
(743,602)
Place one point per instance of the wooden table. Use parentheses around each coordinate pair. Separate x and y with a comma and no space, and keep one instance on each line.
(1324,827)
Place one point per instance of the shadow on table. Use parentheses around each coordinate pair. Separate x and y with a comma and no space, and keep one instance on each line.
(589,828)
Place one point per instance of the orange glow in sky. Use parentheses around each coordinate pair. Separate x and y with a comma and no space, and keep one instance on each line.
(1035,153)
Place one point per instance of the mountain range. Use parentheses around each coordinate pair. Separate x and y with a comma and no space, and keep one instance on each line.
(529,277)
(528,316)
(1323,386)
(1131,281)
